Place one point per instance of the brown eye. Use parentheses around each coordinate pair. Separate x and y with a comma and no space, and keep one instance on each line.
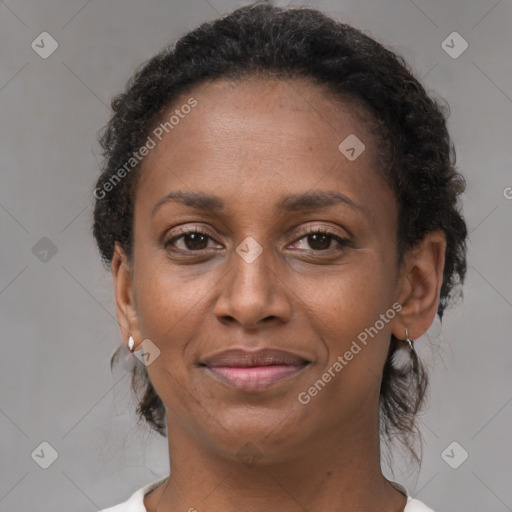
(318,239)
(195,241)
(190,241)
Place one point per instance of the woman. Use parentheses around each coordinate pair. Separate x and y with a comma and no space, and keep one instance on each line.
(279,210)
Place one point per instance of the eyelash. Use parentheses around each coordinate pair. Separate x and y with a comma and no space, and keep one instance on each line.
(342,242)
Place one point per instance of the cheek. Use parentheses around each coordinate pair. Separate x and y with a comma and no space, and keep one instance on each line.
(169,311)
(168,304)
(351,314)
(347,320)
(350,297)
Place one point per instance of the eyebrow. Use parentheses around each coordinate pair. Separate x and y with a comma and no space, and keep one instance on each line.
(312,200)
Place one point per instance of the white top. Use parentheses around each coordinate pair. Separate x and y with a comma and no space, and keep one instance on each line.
(135,503)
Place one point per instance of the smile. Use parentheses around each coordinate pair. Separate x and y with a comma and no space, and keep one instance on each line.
(253,371)
(254,378)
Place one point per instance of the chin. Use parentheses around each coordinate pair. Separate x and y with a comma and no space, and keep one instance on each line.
(270,431)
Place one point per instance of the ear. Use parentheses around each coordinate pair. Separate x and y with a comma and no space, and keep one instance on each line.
(124,296)
(419,286)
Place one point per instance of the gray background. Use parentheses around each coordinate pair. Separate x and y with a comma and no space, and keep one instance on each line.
(58,323)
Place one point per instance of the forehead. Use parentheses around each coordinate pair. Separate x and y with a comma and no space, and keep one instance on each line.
(281,134)
(261,113)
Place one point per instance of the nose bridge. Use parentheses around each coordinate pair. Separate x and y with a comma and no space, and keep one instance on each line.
(251,276)
(251,291)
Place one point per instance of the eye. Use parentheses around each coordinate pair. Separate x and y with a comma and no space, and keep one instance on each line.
(191,240)
(320,239)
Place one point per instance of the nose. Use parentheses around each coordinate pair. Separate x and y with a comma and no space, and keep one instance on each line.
(253,293)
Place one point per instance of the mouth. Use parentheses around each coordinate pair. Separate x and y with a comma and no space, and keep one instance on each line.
(254,371)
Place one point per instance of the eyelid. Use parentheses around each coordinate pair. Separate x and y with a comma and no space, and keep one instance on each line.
(302,233)
(343,241)
(319,228)
(202,230)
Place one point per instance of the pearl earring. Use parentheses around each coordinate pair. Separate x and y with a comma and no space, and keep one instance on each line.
(131,343)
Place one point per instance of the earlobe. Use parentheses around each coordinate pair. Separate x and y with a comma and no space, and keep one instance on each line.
(420,284)
(123,294)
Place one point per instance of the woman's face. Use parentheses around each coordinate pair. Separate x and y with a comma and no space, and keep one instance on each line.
(258,164)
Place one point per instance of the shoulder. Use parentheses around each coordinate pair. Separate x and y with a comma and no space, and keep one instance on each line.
(135,503)
(412,505)
(416,506)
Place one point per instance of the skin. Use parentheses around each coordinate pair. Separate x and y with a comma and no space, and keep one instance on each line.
(250,143)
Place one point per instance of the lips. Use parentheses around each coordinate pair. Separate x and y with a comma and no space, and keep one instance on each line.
(262,357)
(254,371)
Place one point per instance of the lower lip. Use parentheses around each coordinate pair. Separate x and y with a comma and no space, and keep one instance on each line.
(256,378)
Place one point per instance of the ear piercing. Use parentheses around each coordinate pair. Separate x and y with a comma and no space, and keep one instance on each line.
(131,342)
(409,341)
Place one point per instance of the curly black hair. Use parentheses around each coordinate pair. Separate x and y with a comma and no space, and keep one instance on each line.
(417,157)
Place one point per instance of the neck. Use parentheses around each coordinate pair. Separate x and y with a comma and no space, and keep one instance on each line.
(330,473)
